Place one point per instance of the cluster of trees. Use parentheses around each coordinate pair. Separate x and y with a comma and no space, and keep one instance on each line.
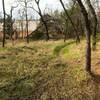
(80,19)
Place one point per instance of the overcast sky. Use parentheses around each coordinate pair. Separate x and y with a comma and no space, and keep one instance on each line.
(54,4)
(43,2)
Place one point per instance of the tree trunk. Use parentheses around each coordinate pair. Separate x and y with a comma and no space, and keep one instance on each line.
(22,29)
(26,23)
(11,29)
(88,36)
(45,25)
(4,37)
(47,33)
(95,23)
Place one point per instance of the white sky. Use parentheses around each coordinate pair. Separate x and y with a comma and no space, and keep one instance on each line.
(54,4)
(43,3)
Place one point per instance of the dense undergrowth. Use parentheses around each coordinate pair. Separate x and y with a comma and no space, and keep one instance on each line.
(44,71)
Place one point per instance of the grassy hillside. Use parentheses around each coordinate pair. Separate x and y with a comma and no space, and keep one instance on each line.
(51,70)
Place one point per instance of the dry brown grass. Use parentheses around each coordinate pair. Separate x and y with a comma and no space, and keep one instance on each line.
(33,72)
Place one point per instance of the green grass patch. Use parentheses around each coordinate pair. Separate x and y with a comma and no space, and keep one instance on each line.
(58,48)
(63,48)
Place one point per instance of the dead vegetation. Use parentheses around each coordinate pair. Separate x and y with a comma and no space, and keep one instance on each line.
(34,72)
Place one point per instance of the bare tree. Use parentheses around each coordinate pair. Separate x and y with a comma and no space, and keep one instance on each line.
(21,14)
(68,16)
(26,21)
(41,16)
(12,21)
(88,35)
(25,3)
(4,21)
